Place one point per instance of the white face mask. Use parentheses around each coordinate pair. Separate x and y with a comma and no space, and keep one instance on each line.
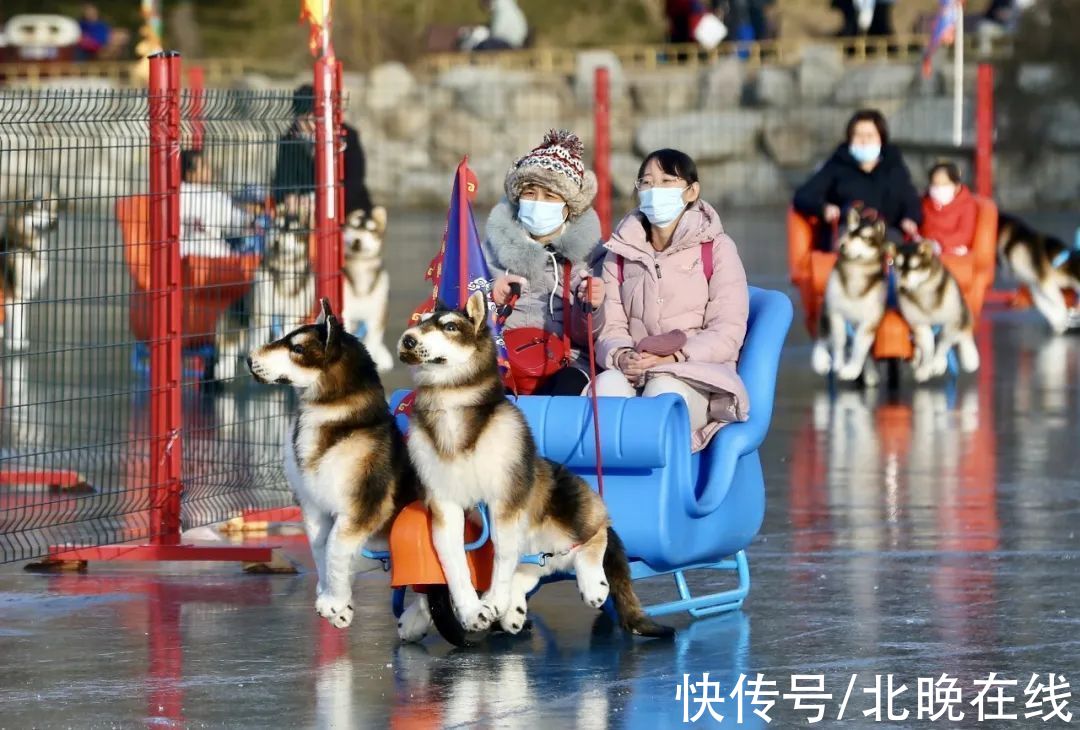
(943,194)
(540,217)
(661,205)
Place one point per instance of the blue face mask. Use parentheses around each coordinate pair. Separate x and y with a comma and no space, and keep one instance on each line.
(661,205)
(864,153)
(540,217)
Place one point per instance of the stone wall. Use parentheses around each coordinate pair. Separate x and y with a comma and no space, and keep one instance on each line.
(754,133)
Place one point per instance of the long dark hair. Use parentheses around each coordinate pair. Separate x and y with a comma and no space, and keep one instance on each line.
(949,168)
(868,115)
(672,162)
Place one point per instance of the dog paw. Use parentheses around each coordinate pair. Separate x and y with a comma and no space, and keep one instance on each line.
(594,592)
(820,359)
(384,361)
(225,368)
(939,367)
(871,377)
(477,618)
(923,374)
(850,372)
(513,621)
(337,611)
(499,603)
(415,623)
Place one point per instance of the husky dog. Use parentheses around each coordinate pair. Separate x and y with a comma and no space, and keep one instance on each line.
(929,297)
(23,266)
(470,444)
(285,284)
(856,293)
(280,298)
(367,285)
(346,460)
(1043,263)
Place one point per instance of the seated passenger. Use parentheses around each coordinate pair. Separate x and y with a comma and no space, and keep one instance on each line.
(208,216)
(949,210)
(676,308)
(544,223)
(864,168)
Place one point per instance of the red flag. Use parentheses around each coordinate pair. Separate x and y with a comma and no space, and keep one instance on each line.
(317,13)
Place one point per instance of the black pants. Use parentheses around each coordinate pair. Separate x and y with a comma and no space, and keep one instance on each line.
(568,381)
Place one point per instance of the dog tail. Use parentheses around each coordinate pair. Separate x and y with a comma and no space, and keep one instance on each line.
(631,616)
(968,353)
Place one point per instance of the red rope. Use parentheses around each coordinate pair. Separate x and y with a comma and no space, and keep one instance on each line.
(592,386)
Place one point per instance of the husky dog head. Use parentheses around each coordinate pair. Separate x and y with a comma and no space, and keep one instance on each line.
(363,233)
(34,220)
(863,236)
(450,347)
(322,359)
(915,263)
(288,244)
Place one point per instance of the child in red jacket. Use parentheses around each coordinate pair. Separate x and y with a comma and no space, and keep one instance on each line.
(949,210)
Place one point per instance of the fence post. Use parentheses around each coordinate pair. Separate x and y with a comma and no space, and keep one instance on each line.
(165,300)
(984,131)
(602,154)
(328,176)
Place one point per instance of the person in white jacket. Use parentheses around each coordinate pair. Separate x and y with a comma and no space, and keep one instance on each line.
(508,22)
(208,216)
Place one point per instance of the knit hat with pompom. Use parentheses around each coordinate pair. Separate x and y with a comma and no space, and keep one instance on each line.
(557,166)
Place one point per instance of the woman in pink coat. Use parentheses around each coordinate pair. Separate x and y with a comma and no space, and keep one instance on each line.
(674,315)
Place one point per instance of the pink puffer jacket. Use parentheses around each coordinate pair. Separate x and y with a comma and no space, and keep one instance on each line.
(667,290)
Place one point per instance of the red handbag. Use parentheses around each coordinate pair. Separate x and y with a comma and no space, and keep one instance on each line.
(536,354)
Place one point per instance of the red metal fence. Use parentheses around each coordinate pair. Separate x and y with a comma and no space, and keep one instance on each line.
(150,239)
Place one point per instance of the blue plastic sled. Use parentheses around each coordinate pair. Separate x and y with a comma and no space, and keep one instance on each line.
(676,511)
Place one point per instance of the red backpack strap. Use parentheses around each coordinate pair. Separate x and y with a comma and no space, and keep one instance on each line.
(707,260)
(619,265)
(566,319)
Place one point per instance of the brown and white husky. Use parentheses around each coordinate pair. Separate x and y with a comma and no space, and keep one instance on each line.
(23,265)
(928,297)
(344,457)
(470,444)
(855,294)
(367,284)
(1043,263)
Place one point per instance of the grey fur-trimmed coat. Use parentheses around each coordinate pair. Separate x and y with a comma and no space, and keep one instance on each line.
(509,249)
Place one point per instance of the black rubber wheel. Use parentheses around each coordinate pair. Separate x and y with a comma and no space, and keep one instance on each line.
(892,376)
(445,620)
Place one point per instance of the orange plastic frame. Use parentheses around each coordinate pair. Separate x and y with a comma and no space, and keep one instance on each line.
(413,560)
(810,270)
(210,285)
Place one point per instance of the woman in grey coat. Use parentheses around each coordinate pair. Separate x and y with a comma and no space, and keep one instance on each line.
(545,220)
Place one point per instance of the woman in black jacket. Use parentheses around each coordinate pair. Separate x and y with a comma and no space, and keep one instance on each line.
(294,173)
(866,169)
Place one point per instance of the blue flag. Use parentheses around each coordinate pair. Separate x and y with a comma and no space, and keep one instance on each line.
(459,269)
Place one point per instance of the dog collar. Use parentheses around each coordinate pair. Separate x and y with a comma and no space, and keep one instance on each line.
(1061,258)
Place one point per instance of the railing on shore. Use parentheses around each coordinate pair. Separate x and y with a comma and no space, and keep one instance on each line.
(129,73)
(861,49)
(221,72)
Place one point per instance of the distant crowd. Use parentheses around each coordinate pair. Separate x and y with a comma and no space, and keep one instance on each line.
(89,37)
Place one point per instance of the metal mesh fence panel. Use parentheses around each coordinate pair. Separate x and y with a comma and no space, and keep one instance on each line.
(248,252)
(78,324)
(73,454)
